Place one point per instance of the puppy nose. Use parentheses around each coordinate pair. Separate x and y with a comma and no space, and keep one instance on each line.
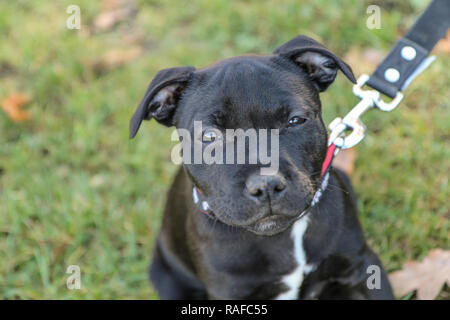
(261,188)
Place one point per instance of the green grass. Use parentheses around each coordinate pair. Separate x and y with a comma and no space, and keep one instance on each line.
(75,190)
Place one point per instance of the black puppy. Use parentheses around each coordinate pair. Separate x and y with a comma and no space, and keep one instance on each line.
(229,232)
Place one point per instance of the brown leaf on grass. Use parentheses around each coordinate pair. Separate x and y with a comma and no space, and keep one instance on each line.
(7,69)
(345,160)
(427,277)
(13,104)
(113,12)
(363,60)
(59,251)
(443,46)
(116,58)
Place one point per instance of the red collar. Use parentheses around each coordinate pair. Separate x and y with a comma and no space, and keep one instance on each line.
(328,158)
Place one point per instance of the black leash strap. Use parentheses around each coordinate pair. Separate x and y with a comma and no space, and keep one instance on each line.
(408,56)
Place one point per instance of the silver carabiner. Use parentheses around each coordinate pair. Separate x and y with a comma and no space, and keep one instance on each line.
(379,103)
(352,121)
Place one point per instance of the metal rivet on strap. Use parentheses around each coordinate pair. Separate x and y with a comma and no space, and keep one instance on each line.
(408,53)
(392,75)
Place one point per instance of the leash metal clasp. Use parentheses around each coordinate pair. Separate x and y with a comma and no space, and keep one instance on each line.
(379,103)
(352,121)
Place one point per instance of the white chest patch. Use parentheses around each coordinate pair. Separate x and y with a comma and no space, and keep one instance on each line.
(294,279)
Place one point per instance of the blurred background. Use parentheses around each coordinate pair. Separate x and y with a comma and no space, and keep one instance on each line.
(74,190)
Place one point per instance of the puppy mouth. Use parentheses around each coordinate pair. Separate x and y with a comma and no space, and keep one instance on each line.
(275,223)
(272,225)
(267,225)
(269,221)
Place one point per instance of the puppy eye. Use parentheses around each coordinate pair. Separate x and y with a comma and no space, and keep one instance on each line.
(295,121)
(209,135)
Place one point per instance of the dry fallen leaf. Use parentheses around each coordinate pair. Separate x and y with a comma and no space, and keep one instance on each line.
(443,46)
(116,58)
(345,160)
(13,107)
(427,277)
(113,12)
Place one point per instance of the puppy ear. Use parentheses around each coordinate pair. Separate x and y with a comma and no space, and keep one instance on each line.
(161,98)
(317,61)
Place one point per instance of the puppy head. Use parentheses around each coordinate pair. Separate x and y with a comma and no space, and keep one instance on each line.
(279,92)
